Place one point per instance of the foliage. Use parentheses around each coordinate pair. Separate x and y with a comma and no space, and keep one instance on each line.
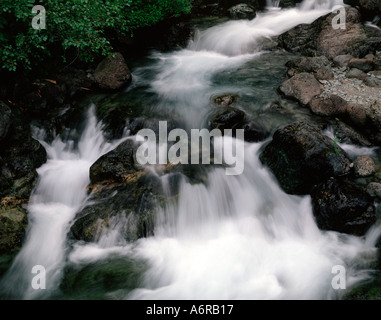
(80,26)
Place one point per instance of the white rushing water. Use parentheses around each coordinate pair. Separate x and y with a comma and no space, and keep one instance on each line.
(59,195)
(237,237)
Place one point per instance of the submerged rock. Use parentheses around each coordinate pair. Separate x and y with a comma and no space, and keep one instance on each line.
(225,100)
(343,206)
(300,157)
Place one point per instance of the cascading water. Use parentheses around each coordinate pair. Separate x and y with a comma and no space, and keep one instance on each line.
(236,237)
(60,194)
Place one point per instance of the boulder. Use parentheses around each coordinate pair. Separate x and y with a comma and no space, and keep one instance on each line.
(225,100)
(302,38)
(356,74)
(343,206)
(373,82)
(112,73)
(242,11)
(357,114)
(233,118)
(374,189)
(13,224)
(20,156)
(300,157)
(319,66)
(301,87)
(373,121)
(364,166)
(356,39)
(342,60)
(115,165)
(129,206)
(227,118)
(364,65)
(329,106)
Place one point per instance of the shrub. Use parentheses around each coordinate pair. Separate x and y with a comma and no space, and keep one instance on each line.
(81,26)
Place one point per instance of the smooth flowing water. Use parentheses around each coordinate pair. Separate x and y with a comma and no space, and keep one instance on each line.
(236,237)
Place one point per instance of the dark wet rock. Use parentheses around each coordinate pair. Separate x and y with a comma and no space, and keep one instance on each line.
(5,120)
(20,156)
(221,7)
(374,189)
(129,206)
(242,11)
(112,73)
(302,38)
(364,166)
(300,156)
(368,8)
(347,134)
(115,165)
(342,60)
(364,65)
(343,206)
(301,87)
(227,118)
(233,118)
(329,106)
(13,223)
(289,3)
(255,132)
(357,74)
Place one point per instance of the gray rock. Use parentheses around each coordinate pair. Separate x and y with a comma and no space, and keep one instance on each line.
(242,11)
(372,82)
(364,166)
(302,87)
(319,66)
(374,189)
(357,74)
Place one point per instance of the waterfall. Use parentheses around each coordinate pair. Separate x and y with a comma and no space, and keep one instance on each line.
(59,195)
(234,237)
